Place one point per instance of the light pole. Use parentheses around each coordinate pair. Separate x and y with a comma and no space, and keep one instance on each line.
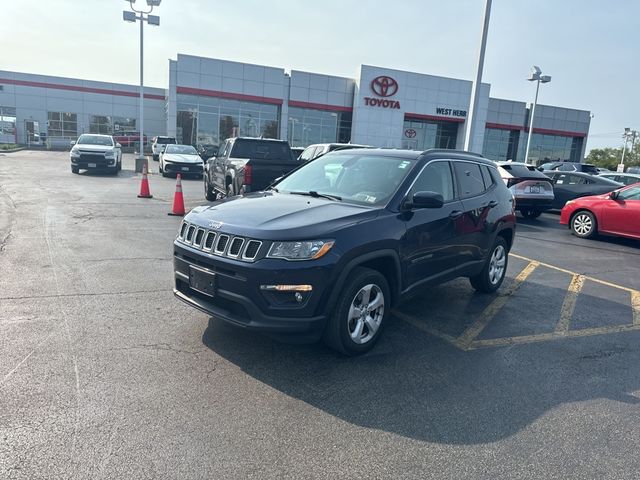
(475,94)
(143,16)
(628,134)
(535,76)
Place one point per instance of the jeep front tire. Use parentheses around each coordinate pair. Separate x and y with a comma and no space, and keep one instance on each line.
(360,313)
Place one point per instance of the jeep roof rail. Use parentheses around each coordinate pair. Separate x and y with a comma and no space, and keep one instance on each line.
(450,151)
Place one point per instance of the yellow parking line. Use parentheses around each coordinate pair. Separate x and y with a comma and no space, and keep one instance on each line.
(635,305)
(494,307)
(524,339)
(569,304)
(564,270)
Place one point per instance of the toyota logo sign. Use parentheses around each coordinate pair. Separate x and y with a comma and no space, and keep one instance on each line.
(410,133)
(384,86)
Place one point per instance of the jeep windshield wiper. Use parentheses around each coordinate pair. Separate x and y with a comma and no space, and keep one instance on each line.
(314,194)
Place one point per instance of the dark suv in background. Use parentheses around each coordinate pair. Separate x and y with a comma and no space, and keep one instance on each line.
(333,246)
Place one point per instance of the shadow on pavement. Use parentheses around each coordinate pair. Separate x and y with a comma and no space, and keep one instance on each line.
(420,387)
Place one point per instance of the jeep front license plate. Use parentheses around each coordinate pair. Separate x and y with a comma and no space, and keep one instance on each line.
(202,281)
(534,189)
(91,165)
(185,169)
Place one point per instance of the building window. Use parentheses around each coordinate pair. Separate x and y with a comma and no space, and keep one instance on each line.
(500,144)
(7,125)
(425,134)
(308,126)
(124,124)
(211,120)
(552,148)
(100,124)
(62,124)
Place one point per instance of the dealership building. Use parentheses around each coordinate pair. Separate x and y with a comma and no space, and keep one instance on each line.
(208,100)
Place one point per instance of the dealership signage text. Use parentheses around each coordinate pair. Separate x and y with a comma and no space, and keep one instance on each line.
(451,112)
(381,102)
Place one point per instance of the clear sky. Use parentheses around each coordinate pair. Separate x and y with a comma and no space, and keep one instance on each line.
(589,47)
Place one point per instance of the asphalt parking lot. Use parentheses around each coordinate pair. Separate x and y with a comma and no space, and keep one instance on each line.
(103,374)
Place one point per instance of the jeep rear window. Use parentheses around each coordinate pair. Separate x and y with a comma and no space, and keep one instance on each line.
(260,149)
(356,178)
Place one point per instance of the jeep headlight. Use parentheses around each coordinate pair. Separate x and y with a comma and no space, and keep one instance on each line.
(110,154)
(303,250)
(75,153)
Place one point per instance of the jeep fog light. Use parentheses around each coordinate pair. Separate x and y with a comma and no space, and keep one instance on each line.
(287,288)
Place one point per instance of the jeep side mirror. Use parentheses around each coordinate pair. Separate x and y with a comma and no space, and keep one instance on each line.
(72,143)
(425,200)
(614,195)
(118,145)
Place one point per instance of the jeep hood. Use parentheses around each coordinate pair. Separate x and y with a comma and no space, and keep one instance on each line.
(280,216)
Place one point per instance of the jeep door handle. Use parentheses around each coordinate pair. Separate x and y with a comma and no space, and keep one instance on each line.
(456,214)
(492,204)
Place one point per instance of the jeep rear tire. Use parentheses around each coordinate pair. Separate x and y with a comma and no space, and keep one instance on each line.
(360,314)
(494,270)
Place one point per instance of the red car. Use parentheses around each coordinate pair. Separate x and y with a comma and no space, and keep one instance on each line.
(129,139)
(616,213)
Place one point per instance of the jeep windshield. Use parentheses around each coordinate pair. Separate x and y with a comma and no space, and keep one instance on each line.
(356,178)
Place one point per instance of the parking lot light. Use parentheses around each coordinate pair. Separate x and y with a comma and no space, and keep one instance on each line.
(535,76)
(142,16)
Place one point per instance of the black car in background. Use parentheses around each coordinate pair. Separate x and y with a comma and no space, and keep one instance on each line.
(567,186)
(569,167)
(333,246)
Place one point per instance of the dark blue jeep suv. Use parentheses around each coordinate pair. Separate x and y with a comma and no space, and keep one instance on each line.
(334,245)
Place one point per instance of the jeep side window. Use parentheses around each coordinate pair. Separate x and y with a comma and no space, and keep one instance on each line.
(469,179)
(436,177)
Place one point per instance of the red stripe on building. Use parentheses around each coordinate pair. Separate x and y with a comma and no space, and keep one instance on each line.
(319,106)
(544,131)
(74,88)
(419,116)
(231,96)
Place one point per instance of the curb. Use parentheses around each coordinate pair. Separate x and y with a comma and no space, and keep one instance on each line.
(19,149)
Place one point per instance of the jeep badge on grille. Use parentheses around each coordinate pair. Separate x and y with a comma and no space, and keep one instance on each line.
(215,225)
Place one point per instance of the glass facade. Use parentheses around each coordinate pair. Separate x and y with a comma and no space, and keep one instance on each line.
(308,126)
(425,134)
(7,124)
(62,124)
(107,125)
(500,144)
(211,120)
(551,148)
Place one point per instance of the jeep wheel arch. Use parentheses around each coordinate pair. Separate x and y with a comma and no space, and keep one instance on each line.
(385,261)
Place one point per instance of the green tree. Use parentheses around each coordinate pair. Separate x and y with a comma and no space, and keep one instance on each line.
(611,157)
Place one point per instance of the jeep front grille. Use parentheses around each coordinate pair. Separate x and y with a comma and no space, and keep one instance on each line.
(219,244)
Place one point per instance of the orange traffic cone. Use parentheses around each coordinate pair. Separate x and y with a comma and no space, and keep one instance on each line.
(178,200)
(144,185)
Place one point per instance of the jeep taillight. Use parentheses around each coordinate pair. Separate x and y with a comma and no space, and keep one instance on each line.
(248,175)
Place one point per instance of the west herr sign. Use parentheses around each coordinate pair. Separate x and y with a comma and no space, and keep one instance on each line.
(451,112)
(383,86)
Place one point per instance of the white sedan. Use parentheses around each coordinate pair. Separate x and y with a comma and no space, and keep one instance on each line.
(183,159)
